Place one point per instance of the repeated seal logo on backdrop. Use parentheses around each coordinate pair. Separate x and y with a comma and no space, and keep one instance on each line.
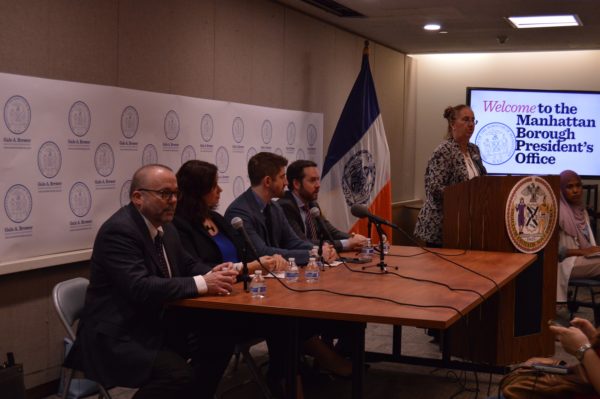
(251,152)
(531,214)
(266,131)
(149,155)
(497,143)
(358,179)
(222,159)
(311,135)
(49,159)
(206,127)
(238,186)
(188,154)
(80,118)
(171,125)
(18,203)
(104,160)
(291,133)
(124,194)
(130,121)
(300,154)
(80,199)
(237,129)
(17,114)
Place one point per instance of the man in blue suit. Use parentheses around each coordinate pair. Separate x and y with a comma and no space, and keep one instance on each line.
(128,336)
(264,220)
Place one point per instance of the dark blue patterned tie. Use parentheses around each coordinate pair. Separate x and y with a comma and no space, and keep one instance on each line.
(158,244)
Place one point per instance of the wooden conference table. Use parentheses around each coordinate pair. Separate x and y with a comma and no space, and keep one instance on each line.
(439,307)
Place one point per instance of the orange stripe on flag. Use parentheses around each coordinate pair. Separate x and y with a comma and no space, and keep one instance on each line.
(382,207)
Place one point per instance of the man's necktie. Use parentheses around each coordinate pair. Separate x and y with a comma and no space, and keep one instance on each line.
(269,224)
(158,244)
(311,229)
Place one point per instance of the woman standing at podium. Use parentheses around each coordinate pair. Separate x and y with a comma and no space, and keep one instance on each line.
(454,161)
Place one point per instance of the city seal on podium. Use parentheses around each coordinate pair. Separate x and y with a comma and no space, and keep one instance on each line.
(130,120)
(17,114)
(531,214)
(49,159)
(18,203)
(171,125)
(358,179)
(497,143)
(80,118)
(104,160)
(80,199)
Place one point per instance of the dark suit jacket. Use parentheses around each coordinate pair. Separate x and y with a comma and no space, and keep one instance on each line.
(287,243)
(123,323)
(198,242)
(292,212)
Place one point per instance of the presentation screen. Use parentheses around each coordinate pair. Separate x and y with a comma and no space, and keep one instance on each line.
(537,132)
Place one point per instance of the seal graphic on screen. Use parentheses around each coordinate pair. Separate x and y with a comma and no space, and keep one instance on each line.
(531,214)
(80,199)
(104,160)
(49,159)
(311,135)
(266,131)
(171,125)
(222,159)
(80,118)
(238,186)
(358,178)
(188,154)
(291,133)
(130,120)
(18,203)
(124,194)
(497,143)
(237,129)
(278,151)
(251,152)
(206,127)
(149,155)
(300,154)
(17,114)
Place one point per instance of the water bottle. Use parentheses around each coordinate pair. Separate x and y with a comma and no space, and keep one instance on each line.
(386,245)
(258,288)
(311,271)
(366,252)
(292,272)
(314,253)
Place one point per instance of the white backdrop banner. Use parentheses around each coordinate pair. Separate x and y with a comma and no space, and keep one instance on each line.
(69,150)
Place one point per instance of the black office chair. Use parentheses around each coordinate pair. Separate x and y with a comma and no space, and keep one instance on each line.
(69,297)
(574,302)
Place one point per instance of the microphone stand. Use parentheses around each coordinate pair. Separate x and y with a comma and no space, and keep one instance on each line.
(382,265)
(320,252)
(245,274)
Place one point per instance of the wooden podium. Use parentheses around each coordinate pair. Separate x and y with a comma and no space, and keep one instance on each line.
(512,325)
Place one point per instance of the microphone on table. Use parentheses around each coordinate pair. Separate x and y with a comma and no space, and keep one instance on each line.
(361,211)
(315,212)
(238,224)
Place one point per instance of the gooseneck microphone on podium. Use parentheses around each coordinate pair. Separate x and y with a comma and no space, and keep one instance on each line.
(361,211)
(238,224)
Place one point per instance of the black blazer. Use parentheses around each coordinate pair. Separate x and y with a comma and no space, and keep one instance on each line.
(287,243)
(123,321)
(198,242)
(292,212)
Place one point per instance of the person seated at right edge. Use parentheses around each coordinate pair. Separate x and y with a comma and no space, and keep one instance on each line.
(304,183)
(454,161)
(576,242)
(581,340)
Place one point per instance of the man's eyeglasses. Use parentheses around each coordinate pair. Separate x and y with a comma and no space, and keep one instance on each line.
(164,195)
(466,119)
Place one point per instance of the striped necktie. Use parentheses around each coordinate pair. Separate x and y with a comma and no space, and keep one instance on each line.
(311,229)
(162,262)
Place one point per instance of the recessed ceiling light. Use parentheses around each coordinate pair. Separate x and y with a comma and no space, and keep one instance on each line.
(432,27)
(544,21)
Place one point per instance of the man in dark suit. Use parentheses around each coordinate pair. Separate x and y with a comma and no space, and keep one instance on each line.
(128,336)
(304,181)
(264,221)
